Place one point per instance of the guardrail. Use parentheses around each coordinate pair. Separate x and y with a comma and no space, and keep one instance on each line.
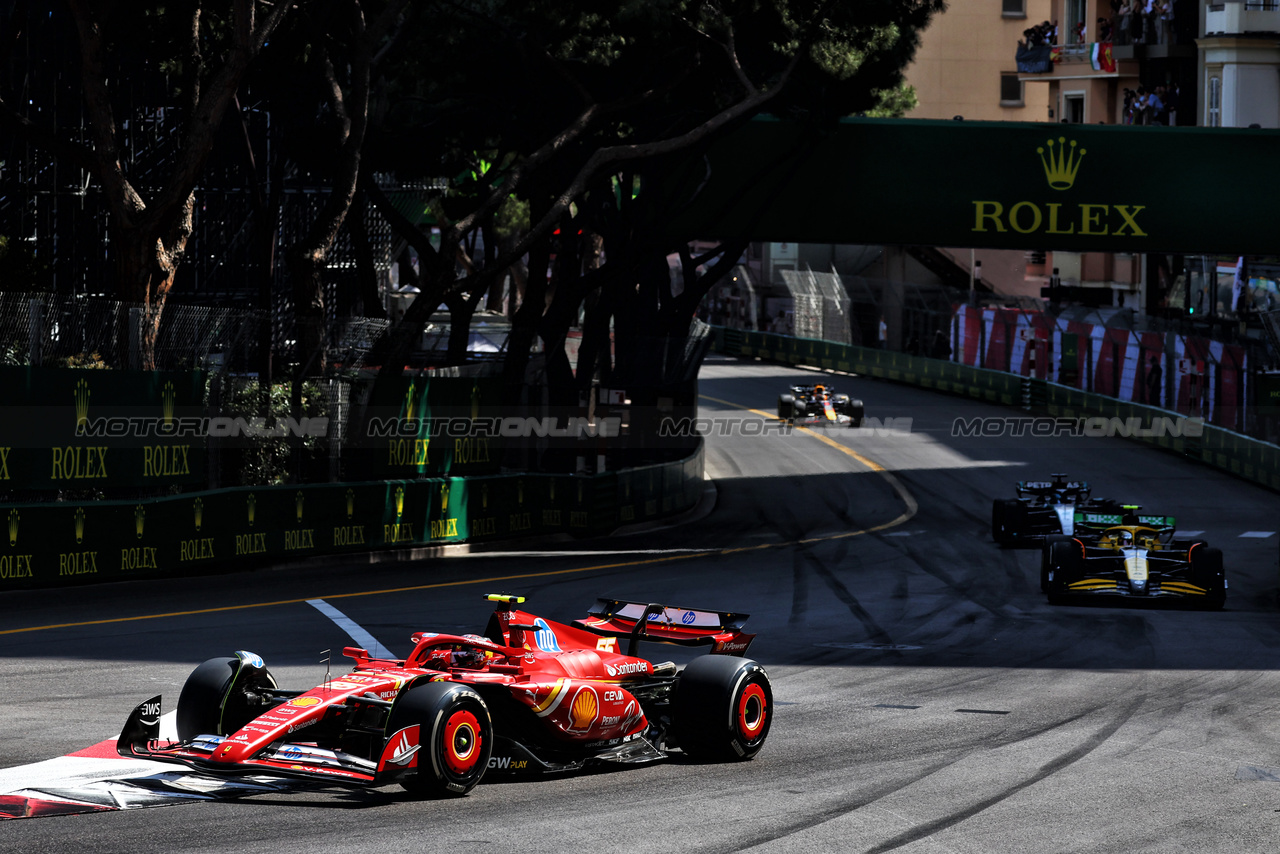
(1224,449)
(53,544)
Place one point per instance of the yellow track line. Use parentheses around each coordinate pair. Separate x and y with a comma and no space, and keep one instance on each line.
(897,486)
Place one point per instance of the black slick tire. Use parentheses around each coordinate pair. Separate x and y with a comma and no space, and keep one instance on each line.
(455,738)
(213,699)
(722,709)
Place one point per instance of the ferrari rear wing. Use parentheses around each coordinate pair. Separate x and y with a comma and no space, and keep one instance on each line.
(721,630)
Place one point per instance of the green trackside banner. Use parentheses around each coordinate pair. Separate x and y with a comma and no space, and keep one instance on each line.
(1001,185)
(419,426)
(73,429)
(57,543)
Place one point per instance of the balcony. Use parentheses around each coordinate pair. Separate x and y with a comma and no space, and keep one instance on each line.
(1073,60)
(1242,17)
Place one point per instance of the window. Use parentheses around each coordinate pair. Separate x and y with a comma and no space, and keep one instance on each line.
(1073,108)
(1010,91)
(1213,110)
(1013,8)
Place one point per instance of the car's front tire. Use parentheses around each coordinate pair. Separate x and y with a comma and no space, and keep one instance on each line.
(1062,562)
(216,698)
(455,737)
(722,709)
(1207,572)
(786,407)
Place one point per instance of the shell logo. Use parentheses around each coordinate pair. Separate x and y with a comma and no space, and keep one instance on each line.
(304,702)
(584,710)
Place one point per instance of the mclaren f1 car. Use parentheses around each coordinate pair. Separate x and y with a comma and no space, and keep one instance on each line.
(528,696)
(819,404)
(1132,556)
(1044,508)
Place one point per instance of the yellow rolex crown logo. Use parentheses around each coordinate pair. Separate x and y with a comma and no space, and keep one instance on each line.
(139,517)
(408,403)
(79,524)
(399,502)
(13,526)
(444,498)
(484,497)
(198,508)
(299,503)
(251,504)
(1060,166)
(166,403)
(82,404)
(520,492)
(351,503)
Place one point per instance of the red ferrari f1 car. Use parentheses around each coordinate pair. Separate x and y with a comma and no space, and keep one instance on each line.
(529,696)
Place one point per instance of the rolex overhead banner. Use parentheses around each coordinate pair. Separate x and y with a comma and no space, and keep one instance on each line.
(1000,185)
(72,429)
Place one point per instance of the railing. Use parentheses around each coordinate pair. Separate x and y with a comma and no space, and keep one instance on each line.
(1237,18)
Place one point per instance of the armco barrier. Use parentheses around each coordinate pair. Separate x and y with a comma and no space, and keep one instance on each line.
(1232,452)
(52,544)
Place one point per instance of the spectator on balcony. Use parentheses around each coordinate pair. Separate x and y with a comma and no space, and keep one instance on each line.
(1124,23)
(1129,98)
(1104,30)
(1166,22)
(1078,33)
(1150,19)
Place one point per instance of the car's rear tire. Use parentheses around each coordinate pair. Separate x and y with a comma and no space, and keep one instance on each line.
(722,709)
(1207,572)
(1008,515)
(455,738)
(214,701)
(856,413)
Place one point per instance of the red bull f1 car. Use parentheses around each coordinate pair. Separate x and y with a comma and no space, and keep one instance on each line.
(1134,557)
(528,696)
(1045,508)
(819,404)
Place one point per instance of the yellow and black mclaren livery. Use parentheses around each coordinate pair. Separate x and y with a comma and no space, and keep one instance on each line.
(1131,556)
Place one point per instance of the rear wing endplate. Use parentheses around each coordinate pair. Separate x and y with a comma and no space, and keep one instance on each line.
(721,630)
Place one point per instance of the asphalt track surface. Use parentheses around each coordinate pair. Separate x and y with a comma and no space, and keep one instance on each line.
(928,699)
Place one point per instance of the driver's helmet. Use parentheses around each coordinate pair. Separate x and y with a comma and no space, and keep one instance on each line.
(819,391)
(1124,538)
(469,658)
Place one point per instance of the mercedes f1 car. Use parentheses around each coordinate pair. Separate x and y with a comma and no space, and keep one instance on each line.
(1131,556)
(1044,508)
(529,696)
(819,404)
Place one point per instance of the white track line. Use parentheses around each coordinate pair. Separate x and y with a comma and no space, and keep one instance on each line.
(352,628)
(1258,535)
